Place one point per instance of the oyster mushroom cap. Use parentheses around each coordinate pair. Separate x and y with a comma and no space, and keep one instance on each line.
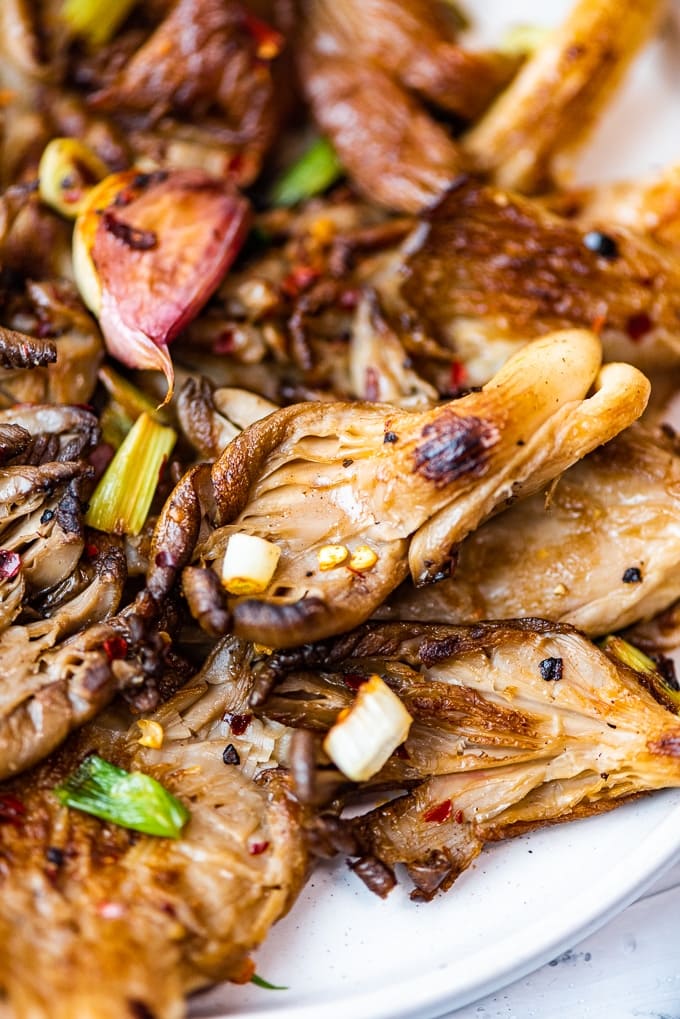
(566,557)
(469,271)
(357,59)
(516,724)
(312,475)
(153,919)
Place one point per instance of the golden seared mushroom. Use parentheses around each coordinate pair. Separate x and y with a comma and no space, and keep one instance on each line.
(488,269)
(600,550)
(41,527)
(335,502)
(14,440)
(70,432)
(132,930)
(20,351)
(538,122)
(516,724)
(29,499)
(380,369)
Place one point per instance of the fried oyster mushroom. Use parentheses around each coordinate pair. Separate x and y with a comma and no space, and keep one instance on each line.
(97,920)
(528,135)
(600,550)
(64,365)
(517,724)
(488,268)
(395,489)
(358,60)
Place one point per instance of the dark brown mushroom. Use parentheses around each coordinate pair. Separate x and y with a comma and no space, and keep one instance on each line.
(17,350)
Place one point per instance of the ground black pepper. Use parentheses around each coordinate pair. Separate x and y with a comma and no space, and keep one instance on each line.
(551,668)
(231,755)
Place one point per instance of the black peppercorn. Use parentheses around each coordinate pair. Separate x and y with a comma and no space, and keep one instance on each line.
(601,244)
(632,575)
(551,668)
(230,755)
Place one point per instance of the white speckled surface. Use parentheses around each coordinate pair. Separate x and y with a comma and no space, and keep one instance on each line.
(628,970)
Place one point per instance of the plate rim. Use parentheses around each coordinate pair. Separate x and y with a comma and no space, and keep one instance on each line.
(432,995)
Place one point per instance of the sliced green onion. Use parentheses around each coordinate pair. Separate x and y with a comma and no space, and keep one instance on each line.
(316,169)
(67,171)
(131,399)
(645,666)
(523,40)
(96,20)
(115,424)
(130,799)
(363,736)
(261,982)
(249,564)
(122,498)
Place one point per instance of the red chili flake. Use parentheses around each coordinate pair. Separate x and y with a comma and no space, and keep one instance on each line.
(237,723)
(298,279)
(639,325)
(115,647)
(354,680)
(100,458)
(225,343)
(349,299)
(165,558)
(11,809)
(439,813)
(598,324)
(91,550)
(235,164)
(371,385)
(110,910)
(10,564)
(123,198)
(72,194)
(255,848)
(43,329)
(458,817)
(458,375)
(268,41)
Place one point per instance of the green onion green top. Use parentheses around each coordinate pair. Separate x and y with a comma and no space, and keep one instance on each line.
(261,982)
(316,169)
(130,799)
(653,677)
(96,20)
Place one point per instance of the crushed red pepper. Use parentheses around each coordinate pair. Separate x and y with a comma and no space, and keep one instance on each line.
(439,813)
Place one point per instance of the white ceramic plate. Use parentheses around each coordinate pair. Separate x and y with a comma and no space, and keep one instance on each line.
(344,953)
